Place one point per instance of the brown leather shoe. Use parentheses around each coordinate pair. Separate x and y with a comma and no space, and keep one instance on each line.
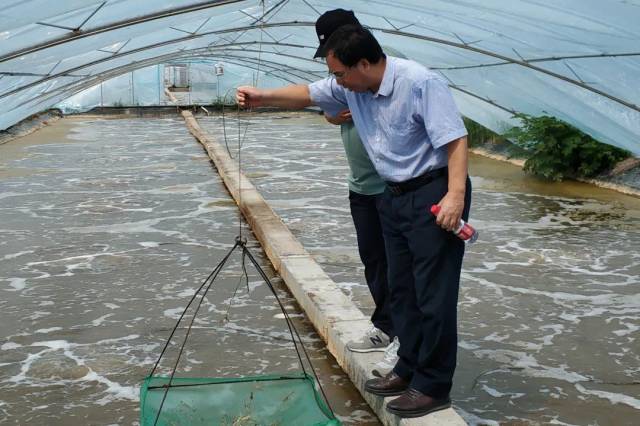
(389,385)
(414,403)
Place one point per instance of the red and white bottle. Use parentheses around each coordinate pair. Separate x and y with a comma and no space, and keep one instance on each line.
(464,231)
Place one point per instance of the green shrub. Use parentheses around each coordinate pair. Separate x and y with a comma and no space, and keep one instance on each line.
(558,150)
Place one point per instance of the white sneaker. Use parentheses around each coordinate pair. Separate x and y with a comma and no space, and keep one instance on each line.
(388,361)
(374,340)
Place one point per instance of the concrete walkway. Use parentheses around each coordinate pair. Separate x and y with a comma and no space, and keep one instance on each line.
(334,316)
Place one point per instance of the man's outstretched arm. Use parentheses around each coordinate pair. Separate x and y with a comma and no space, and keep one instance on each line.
(294,97)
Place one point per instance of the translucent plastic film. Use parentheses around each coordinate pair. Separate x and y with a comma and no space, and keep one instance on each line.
(577,59)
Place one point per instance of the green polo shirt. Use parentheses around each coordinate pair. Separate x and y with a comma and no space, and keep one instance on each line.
(363,177)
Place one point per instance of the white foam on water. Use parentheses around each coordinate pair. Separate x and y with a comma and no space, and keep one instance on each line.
(142,226)
(495,337)
(173,313)
(54,344)
(145,210)
(186,293)
(73,266)
(493,392)
(349,286)
(98,321)
(86,258)
(548,339)
(114,389)
(467,345)
(497,394)
(555,421)
(573,318)
(631,328)
(8,194)
(14,255)
(281,316)
(10,345)
(24,368)
(612,299)
(115,340)
(47,330)
(37,315)
(474,420)
(17,283)
(149,244)
(614,398)
(529,365)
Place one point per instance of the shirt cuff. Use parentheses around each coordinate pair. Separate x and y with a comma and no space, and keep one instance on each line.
(314,91)
(448,138)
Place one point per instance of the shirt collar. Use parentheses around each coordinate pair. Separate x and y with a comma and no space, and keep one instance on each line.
(386,86)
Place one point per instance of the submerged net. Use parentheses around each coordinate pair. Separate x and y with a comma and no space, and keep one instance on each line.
(262,400)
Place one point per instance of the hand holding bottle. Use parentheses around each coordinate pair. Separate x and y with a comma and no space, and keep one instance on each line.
(464,231)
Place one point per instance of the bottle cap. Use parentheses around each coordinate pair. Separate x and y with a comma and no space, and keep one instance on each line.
(435,209)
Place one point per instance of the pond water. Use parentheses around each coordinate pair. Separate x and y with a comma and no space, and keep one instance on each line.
(108,227)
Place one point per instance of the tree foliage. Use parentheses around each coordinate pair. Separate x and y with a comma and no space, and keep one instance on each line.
(558,150)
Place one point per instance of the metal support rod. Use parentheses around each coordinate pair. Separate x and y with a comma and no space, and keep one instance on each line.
(115,26)
(523,63)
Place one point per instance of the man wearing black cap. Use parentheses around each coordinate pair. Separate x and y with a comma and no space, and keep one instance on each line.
(327,23)
(415,137)
(365,190)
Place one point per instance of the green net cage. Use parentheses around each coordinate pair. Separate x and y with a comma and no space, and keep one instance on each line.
(271,400)
(265,400)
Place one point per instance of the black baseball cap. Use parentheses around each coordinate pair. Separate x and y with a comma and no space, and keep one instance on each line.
(330,21)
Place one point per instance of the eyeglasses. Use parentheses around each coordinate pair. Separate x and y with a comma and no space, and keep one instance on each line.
(339,75)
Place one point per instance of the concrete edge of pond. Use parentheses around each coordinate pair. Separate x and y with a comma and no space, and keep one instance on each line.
(335,317)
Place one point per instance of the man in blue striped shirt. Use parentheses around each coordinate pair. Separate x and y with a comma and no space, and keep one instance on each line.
(414,135)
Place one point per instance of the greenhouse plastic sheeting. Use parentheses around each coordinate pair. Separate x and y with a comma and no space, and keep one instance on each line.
(578,60)
(265,400)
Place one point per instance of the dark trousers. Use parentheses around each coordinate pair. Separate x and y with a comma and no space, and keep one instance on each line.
(424,277)
(364,211)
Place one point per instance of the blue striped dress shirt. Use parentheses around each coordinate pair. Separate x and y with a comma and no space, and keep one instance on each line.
(406,125)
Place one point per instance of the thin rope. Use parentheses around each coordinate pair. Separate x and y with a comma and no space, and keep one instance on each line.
(240,174)
(240,140)
(215,271)
(260,44)
(212,277)
(224,125)
(244,275)
(291,327)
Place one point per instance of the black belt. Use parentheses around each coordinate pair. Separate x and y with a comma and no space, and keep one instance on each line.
(399,188)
